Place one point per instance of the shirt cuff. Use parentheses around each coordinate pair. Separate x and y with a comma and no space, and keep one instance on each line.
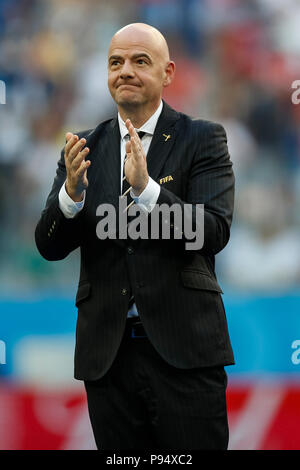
(148,198)
(69,207)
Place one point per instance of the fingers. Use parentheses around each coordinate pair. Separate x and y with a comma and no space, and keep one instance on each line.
(71,139)
(74,149)
(74,155)
(73,146)
(81,171)
(76,165)
(132,132)
(130,127)
(128,147)
(80,157)
(134,145)
(135,164)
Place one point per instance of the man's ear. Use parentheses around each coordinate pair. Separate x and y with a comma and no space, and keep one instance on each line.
(169,73)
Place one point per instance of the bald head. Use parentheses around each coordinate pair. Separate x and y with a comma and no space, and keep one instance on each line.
(139,67)
(142,34)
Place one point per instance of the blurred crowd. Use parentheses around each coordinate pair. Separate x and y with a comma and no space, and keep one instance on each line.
(236,62)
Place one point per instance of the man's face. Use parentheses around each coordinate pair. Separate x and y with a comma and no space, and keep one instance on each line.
(137,70)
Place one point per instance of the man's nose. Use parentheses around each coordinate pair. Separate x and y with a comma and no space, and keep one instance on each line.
(127,70)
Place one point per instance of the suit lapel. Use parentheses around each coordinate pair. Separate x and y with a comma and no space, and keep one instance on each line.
(161,144)
(106,161)
(163,141)
(109,170)
(112,162)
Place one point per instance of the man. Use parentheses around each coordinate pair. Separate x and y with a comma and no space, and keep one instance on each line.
(151,337)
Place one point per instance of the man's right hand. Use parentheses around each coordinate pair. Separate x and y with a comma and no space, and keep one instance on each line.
(76,166)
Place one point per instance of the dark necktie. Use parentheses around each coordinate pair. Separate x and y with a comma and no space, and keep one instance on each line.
(125,187)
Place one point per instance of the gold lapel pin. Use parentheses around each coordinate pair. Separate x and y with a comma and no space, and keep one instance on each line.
(167,137)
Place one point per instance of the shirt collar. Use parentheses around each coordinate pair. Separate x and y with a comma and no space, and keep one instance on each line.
(148,127)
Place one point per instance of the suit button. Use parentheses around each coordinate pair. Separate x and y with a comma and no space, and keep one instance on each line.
(124,291)
(130,250)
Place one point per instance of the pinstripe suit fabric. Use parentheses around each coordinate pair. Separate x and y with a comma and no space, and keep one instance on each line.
(176,291)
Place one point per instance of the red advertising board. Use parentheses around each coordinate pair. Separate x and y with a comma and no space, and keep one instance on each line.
(261,416)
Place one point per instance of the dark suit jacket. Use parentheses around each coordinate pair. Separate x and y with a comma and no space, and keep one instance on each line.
(176,292)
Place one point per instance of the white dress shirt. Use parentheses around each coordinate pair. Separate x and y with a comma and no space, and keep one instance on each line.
(146,200)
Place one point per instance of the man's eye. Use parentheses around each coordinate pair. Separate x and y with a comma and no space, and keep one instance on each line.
(141,61)
(114,63)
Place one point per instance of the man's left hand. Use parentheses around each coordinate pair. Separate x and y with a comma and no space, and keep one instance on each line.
(135,167)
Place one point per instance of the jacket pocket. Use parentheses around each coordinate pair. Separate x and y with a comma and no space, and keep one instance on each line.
(83,292)
(199,280)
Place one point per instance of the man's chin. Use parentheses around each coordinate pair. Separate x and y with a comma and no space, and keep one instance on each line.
(129,102)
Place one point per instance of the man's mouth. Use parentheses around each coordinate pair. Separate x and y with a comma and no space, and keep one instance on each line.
(127,86)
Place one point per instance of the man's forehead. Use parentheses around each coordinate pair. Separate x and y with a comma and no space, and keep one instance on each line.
(132,47)
(141,40)
(133,51)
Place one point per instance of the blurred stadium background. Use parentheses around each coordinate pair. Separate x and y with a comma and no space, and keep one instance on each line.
(236,62)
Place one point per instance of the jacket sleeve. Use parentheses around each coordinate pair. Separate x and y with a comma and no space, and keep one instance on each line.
(55,235)
(211,182)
